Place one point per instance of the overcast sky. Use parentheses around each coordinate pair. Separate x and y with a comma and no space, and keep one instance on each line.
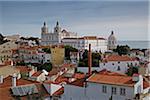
(128,19)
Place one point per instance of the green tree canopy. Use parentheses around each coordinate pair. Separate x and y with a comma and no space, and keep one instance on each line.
(69,49)
(47,50)
(122,50)
(96,56)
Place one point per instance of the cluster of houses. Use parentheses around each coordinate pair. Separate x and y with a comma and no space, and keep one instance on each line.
(67,81)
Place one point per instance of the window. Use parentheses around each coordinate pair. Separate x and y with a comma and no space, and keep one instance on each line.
(114,90)
(122,91)
(104,89)
(118,68)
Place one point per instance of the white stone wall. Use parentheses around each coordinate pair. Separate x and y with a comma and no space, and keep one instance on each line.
(82,44)
(93,91)
(113,65)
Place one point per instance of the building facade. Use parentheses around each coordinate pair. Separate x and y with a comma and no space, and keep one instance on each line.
(6,50)
(55,36)
(100,86)
(57,55)
(112,41)
(82,43)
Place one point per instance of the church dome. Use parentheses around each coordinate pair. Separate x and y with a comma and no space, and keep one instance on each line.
(112,37)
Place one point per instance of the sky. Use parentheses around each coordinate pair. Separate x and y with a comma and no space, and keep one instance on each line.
(128,19)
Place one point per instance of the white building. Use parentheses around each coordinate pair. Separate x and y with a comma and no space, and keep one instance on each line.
(112,41)
(82,43)
(106,85)
(54,37)
(31,55)
(117,63)
(113,63)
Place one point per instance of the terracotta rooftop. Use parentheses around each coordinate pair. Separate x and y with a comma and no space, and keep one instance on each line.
(106,72)
(36,74)
(61,79)
(88,38)
(59,92)
(145,84)
(67,65)
(78,82)
(54,71)
(24,69)
(8,82)
(119,58)
(79,75)
(5,93)
(111,79)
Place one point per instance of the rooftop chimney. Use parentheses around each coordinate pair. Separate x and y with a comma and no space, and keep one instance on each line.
(135,77)
(89,60)
(1,79)
(14,78)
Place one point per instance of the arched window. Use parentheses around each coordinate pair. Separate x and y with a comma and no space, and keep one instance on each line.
(118,68)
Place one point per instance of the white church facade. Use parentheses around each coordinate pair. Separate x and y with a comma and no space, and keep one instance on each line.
(81,43)
(54,37)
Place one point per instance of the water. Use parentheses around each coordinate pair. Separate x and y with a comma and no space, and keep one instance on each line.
(136,44)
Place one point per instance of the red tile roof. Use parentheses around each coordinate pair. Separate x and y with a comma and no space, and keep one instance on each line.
(111,79)
(59,92)
(24,69)
(36,74)
(78,82)
(119,58)
(79,75)
(106,72)
(8,82)
(146,84)
(61,79)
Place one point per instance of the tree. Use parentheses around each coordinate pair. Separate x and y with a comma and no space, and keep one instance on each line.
(122,50)
(132,70)
(69,49)
(96,56)
(47,66)
(47,50)
(85,54)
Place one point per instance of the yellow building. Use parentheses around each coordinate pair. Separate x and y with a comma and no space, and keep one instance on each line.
(6,50)
(6,70)
(57,55)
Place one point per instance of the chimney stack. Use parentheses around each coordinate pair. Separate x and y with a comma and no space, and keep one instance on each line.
(1,79)
(14,78)
(89,60)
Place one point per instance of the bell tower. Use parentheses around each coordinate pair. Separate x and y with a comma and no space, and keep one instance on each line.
(57,28)
(44,29)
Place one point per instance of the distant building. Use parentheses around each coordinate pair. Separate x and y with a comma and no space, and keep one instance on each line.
(117,63)
(82,43)
(28,54)
(57,54)
(112,41)
(144,69)
(114,63)
(6,50)
(15,37)
(55,36)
